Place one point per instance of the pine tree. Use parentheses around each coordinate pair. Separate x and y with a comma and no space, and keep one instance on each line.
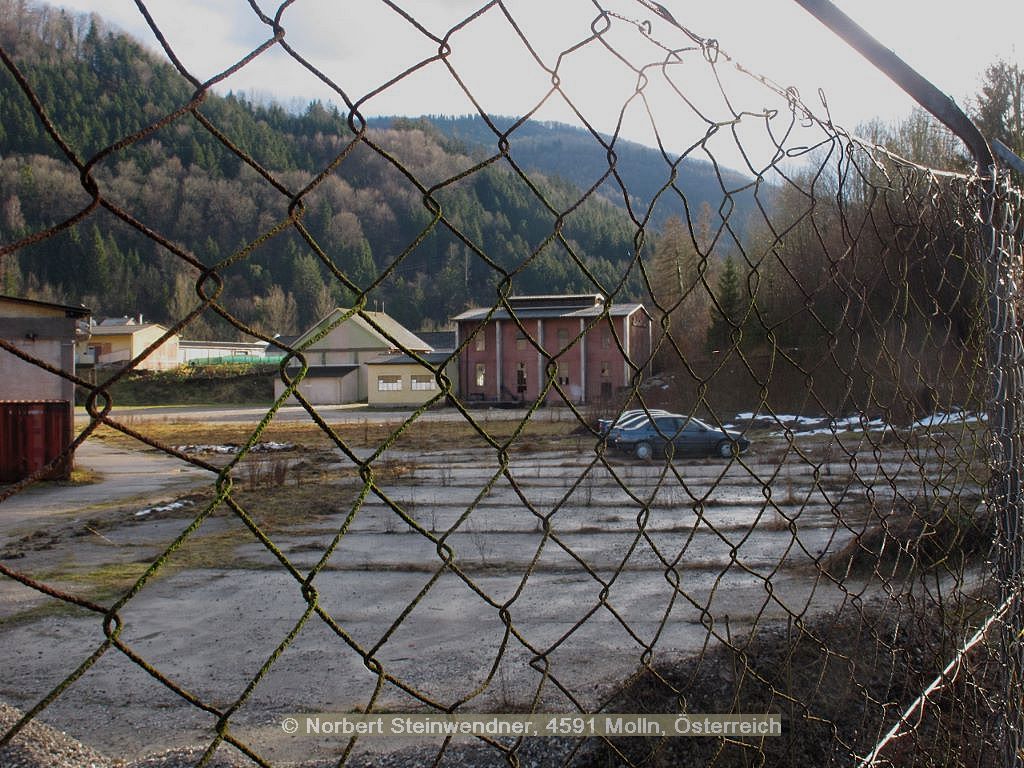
(96,275)
(307,286)
(999,112)
(360,267)
(729,316)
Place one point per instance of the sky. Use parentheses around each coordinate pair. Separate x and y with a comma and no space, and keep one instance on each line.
(363,45)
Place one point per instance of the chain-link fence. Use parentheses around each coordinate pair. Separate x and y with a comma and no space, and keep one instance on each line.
(849,313)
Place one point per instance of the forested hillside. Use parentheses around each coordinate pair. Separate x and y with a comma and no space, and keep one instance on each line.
(574,154)
(366,216)
(424,216)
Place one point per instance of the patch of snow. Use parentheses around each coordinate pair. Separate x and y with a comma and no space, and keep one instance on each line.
(947,419)
(808,427)
(232,448)
(271,447)
(781,419)
(172,507)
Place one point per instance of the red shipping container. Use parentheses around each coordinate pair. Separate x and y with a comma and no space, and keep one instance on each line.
(32,434)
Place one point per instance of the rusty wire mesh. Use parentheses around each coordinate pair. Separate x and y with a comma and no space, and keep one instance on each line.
(841,572)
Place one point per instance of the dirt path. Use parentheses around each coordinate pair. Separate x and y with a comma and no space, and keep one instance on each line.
(122,475)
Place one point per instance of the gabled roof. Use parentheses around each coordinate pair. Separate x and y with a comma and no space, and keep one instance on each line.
(402,336)
(282,342)
(557,301)
(545,307)
(69,311)
(439,340)
(122,329)
(431,358)
(199,344)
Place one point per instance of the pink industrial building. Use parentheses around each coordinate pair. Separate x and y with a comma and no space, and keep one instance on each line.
(592,350)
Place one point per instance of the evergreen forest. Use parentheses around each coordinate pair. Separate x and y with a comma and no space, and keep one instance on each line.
(366,219)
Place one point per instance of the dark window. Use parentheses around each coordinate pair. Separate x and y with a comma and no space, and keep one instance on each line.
(521,377)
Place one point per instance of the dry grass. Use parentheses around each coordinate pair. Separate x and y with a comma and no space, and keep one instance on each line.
(420,435)
(825,679)
(80,476)
(921,535)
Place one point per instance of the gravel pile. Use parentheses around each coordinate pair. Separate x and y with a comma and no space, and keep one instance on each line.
(532,753)
(40,746)
(225,757)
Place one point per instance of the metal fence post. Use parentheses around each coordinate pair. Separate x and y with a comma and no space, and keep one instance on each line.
(997,249)
(1002,250)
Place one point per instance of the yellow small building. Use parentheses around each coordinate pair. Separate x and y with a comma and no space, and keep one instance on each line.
(402,381)
(118,340)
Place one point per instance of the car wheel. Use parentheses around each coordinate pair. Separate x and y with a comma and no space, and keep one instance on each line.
(644,450)
(726,449)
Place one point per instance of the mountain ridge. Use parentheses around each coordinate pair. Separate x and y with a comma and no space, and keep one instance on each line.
(367,231)
(573,153)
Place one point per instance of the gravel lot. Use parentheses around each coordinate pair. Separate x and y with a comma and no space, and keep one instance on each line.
(567,572)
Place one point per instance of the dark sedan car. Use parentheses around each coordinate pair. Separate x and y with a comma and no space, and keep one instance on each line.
(680,435)
(628,419)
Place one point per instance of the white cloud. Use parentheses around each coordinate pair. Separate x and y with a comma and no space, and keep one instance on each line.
(361,46)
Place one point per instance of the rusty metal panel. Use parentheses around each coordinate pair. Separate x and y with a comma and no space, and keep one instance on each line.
(33,434)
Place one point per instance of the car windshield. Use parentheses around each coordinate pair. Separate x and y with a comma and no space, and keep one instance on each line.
(633,419)
(633,423)
(664,421)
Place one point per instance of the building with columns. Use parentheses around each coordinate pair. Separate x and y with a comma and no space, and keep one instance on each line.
(590,349)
